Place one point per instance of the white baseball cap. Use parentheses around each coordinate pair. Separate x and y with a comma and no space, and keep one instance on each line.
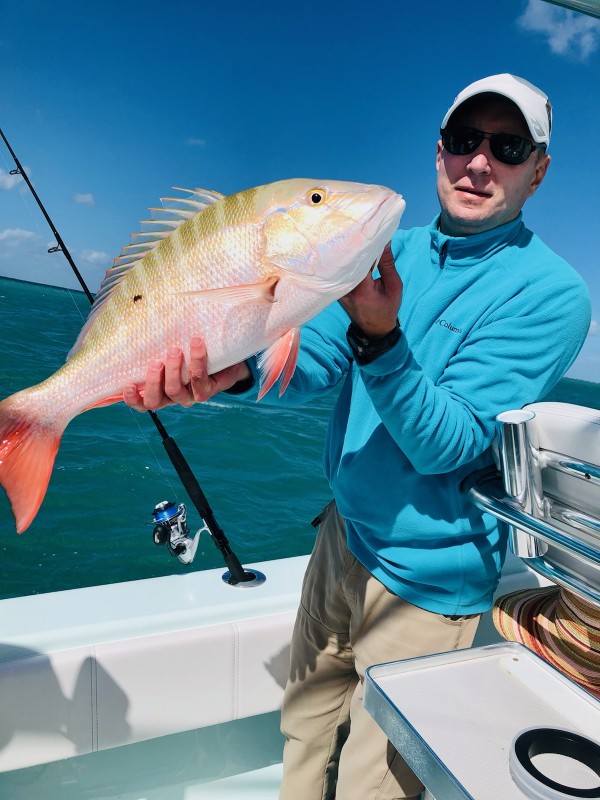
(532,102)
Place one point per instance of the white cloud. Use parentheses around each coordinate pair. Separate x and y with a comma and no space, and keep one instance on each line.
(84,199)
(567,33)
(594,328)
(194,142)
(8,181)
(95,258)
(13,237)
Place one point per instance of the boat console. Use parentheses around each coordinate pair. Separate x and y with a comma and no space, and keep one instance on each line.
(499,720)
(549,492)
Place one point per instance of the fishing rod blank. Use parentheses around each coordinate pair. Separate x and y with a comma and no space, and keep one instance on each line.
(236,574)
(61,246)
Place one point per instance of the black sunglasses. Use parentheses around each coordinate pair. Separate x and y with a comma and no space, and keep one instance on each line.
(506,147)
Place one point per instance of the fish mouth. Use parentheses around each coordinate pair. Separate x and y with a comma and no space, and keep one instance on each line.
(389,210)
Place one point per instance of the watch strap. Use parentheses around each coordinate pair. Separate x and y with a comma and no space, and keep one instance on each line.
(366,349)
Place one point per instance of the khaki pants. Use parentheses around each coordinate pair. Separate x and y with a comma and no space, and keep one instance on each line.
(347,621)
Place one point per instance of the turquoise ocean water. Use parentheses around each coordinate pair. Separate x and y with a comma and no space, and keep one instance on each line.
(259,468)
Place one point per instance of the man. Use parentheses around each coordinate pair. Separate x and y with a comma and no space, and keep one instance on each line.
(404,564)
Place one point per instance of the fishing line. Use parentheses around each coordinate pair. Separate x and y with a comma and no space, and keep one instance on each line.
(236,573)
(137,419)
(79,311)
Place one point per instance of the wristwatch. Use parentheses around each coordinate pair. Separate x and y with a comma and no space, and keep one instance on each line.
(366,349)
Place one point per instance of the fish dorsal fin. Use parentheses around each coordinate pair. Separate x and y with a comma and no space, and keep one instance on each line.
(174,212)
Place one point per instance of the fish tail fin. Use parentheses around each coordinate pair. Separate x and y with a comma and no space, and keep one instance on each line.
(27,453)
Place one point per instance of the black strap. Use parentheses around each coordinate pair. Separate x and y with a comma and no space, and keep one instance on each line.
(366,349)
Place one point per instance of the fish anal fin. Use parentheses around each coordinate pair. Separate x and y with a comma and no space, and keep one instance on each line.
(261,292)
(279,360)
(106,401)
(27,454)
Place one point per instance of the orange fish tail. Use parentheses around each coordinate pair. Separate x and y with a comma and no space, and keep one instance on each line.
(27,453)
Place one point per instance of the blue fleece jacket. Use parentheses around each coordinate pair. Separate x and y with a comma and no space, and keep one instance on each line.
(489,322)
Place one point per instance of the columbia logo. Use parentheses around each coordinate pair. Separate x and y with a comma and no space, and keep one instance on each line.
(445,324)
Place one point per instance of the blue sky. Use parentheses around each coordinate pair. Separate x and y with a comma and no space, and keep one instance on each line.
(110,104)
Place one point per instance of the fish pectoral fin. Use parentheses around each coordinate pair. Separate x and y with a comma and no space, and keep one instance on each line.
(261,292)
(279,360)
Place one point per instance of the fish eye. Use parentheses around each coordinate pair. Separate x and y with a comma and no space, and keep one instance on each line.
(316,197)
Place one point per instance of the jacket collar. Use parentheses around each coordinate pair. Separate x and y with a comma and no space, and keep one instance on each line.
(464,251)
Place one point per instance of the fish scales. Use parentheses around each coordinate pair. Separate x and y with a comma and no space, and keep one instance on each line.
(200,254)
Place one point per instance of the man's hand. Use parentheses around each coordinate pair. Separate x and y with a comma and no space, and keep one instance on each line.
(373,305)
(164,384)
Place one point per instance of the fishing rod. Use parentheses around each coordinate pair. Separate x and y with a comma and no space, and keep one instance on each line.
(171,527)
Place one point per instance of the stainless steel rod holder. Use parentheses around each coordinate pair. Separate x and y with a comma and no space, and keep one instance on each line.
(521,477)
(580,574)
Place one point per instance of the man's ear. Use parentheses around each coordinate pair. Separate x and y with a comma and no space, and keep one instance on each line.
(438,155)
(539,174)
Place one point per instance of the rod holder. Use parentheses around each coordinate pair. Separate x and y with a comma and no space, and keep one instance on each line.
(522,477)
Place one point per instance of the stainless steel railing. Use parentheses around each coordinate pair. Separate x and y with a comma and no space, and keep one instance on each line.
(570,558)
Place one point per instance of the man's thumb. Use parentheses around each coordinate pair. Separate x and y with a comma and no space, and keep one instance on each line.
(387,266)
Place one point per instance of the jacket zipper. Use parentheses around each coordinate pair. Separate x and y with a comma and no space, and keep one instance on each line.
(443,254)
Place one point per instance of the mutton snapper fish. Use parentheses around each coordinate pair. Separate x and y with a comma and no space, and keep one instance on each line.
(243,271)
